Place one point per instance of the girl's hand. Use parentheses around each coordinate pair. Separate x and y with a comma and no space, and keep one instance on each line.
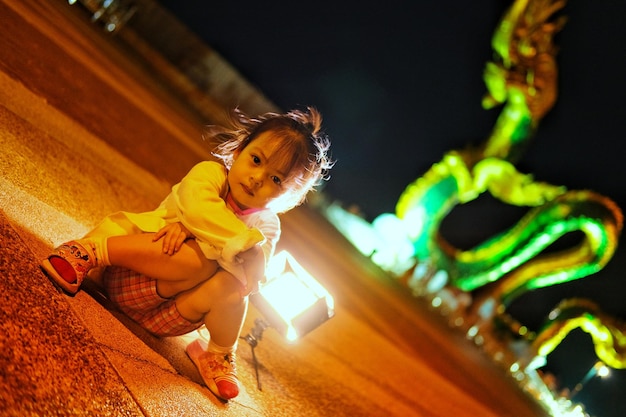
(254,266)
(174,235)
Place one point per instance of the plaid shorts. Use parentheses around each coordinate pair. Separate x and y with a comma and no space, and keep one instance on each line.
(136,296)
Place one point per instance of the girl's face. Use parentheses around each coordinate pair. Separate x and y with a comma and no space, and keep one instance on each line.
(255,179)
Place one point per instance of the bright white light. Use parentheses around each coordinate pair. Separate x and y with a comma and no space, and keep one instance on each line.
(288,295)
(603,371)
(356,229)
(437,282)
(294,295)
(414,220)
(386,240)
(472,331)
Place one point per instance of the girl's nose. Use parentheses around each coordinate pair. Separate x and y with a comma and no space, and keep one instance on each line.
(256,179)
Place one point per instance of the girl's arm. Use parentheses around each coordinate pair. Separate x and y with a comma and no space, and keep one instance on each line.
(254,267)
(249,266)
(198,201)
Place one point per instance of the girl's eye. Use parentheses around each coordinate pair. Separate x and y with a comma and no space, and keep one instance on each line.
(276,180)
(256,159)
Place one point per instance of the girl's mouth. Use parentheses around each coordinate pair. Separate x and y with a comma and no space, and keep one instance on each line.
(247,190)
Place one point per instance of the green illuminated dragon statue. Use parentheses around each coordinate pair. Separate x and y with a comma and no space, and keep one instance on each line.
(523,80)
(607,332)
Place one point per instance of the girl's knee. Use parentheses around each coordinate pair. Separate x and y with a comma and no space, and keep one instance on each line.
(191,256)
(228,286)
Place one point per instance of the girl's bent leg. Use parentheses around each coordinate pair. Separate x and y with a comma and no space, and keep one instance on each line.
(219,301)
(141,254)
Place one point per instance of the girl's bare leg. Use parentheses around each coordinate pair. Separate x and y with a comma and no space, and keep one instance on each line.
(219,301)
(188,266)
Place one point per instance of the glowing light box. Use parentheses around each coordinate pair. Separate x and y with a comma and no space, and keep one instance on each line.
(292,301)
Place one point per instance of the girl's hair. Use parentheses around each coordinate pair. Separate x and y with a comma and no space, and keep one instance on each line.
(303,149)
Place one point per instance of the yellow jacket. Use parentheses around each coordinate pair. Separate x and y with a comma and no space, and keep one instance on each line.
(198,202)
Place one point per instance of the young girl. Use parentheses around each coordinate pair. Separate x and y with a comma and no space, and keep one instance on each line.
(217,230)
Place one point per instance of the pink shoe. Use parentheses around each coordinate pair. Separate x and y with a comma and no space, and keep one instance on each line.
(69,264)
(218,371)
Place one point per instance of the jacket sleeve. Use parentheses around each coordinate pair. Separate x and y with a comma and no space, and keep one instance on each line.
(269,225)
(198,201)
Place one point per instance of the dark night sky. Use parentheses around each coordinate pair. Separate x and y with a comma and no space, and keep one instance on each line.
(400,85)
